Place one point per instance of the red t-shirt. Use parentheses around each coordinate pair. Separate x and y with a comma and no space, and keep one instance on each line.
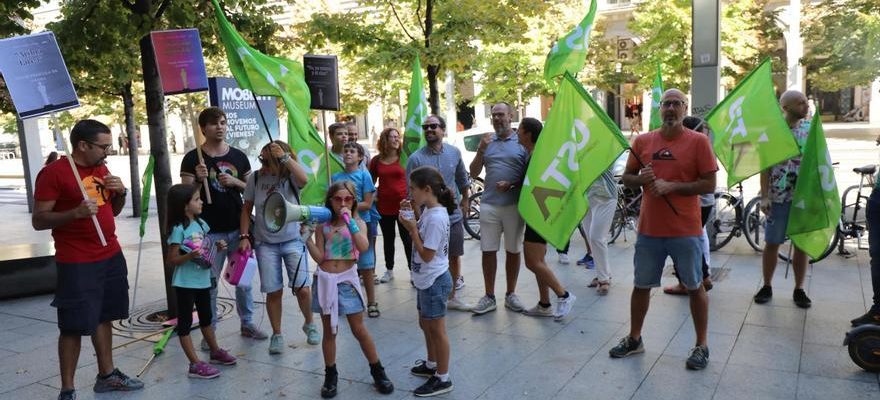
(683,159)
(78,241)
(392,186)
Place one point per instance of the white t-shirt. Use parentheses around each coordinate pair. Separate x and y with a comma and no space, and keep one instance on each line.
(434,231)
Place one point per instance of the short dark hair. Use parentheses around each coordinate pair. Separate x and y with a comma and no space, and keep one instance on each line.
(336,125)
(211,115)
(87,130)
(439,118)
(356,146)
(532,126)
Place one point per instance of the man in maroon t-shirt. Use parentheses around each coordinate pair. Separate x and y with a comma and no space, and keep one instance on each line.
(92,287)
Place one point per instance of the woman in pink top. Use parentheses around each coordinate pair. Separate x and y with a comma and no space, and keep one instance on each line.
(386,169)
(337,289)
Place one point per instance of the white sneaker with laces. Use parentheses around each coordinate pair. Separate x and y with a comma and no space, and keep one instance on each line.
(387,277)
(563,306)
(455,303)
(538,311)
(563,259)
(485,305)
(513,303)
(459,283)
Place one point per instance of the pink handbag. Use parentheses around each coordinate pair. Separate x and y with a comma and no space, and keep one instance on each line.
(240,268)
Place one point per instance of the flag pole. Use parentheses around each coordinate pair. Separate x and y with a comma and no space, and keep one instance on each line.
(263,118)
(82,188)
(202,160)
(326,149)
(643,166)
(788,262)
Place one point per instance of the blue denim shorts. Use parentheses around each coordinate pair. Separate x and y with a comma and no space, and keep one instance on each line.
(271,256)
(349,300)
(650,258)
(777,222)
(367,259)
(431,302)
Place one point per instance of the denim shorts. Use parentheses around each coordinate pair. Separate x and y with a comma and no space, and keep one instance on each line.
(367,259)
(650,258)
(292,254)
(431,302)
(89,294)
(349,300)
(777,222)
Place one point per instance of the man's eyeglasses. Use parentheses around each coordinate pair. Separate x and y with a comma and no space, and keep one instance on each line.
(430,126)
(342,199)
(103,147)
(671,103)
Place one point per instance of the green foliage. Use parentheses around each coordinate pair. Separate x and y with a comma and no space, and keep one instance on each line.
(15,16)
(842,42)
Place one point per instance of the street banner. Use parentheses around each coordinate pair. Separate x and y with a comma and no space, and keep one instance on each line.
(749,131)
(416,113)
(244,126)
(578,143)
(36,75)
(179,61)
(147,184)
(569,53)
(274,76)
(815,205)
(656,95)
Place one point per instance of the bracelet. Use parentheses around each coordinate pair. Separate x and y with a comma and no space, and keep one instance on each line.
(285,158)
(353,227)
(244,236)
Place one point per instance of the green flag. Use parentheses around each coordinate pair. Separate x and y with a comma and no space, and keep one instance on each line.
(274,76)
(656,95)
(749,132)
(578,143)
(569,53)
(815,206)
(416,112)
(147,185)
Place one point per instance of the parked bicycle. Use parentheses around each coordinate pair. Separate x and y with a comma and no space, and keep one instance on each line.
(626,216)
(854,202)
(472,218)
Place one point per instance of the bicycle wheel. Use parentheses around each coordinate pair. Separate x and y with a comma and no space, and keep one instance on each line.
(477,185)
(783,250)
(618,223)
(728,214)
(472,219)
(853,222)
(753,224)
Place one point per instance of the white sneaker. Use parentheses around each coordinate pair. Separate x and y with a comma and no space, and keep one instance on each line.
(457,304)
(513,303)
(459,283)
(387,277)
(538,311)
(485,305)
(563,306)
(563,259)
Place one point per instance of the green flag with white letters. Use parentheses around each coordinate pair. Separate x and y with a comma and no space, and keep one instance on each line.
(274,76)
(656,95)
(749,131)
(416,112)
(569,53)
(815,205)
(578,143)
(147,182)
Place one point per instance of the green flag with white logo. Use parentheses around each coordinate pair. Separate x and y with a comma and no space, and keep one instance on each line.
(749,131)
(569,53)
(416,112)
(578,143)
(656,95)
(274,76)
(815,205)
(147,184)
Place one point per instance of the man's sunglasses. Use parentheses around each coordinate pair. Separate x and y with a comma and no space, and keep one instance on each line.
(430,126)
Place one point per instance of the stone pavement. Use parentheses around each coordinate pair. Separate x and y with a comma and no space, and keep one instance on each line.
(772,351)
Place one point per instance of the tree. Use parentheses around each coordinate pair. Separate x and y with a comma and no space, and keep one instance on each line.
(842,42)
(445,34)
(14,19)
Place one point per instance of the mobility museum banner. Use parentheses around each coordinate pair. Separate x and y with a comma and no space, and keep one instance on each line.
(245,129)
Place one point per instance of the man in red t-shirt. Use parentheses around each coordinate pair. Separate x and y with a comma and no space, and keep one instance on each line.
(674,165)
(92,287)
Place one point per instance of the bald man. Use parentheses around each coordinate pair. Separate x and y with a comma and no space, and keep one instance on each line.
(777,188)
(673,165)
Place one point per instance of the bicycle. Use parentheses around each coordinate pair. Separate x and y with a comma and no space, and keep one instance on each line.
(727,221)
(472,218)
(853,224)
(626,216)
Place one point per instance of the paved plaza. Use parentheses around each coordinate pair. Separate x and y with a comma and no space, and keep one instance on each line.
(771,351)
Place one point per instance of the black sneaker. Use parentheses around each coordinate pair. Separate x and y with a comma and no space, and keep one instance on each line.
(626,347)
(698,359)
(870,318)
(801,299)
(421,369)
(380,380)
(433,387)
(67,395)
(764,295)
(328,389)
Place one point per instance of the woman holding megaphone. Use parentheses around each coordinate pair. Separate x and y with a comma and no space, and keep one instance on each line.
(280,172)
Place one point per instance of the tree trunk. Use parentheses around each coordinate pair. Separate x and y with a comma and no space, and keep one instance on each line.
(133,145)
(433,69)
(155,102)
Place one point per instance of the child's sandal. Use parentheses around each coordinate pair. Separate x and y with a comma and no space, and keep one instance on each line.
(603,288)
(373,310)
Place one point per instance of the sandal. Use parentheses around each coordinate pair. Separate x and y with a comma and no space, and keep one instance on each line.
(373,310)
(677,289)
(707,283)
(593,283)
(603,288)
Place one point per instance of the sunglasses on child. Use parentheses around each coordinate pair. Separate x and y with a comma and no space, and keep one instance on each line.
(342,199)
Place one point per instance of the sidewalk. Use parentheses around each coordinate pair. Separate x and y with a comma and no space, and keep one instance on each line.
(772,351)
